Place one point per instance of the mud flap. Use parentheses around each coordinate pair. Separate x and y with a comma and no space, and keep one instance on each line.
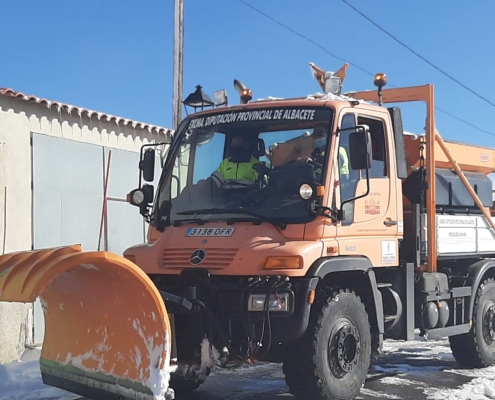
(106,327)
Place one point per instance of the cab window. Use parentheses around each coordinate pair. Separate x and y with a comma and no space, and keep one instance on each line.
(379,167)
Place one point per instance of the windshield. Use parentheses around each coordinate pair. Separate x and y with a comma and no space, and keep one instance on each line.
(244,165)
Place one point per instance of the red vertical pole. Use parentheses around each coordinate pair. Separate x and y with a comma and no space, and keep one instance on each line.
(104,207)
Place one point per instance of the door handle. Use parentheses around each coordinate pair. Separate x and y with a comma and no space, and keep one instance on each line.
(389,222)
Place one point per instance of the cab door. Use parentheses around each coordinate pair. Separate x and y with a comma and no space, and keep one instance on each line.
(370,224)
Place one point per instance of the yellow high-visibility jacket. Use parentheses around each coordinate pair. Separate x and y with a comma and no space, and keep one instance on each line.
(238,171)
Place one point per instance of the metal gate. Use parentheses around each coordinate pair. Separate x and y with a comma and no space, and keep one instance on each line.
(68,179)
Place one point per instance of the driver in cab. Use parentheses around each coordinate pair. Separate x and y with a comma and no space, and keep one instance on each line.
(320,133)
(237,171)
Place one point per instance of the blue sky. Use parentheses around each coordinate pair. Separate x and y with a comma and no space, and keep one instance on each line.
(116,56)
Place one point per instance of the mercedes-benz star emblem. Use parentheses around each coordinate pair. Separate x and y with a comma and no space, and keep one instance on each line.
(197,257)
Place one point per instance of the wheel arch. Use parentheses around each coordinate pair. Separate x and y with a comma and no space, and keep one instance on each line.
(354,273)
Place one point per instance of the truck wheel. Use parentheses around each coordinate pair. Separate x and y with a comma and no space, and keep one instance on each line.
(332,359)
(476,349)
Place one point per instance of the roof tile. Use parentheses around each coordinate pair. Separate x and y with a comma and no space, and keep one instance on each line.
(80,111)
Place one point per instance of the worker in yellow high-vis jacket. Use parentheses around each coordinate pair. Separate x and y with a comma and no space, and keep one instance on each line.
(238,167)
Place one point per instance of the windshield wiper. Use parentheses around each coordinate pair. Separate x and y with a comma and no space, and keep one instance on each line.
(209,211)
(198,221)
(240,210)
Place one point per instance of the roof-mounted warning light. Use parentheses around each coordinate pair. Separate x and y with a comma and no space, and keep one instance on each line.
(245,94)
(220,98)
(380,80)
(330,82)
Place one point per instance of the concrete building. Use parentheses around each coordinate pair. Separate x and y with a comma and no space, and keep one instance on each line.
(53,168)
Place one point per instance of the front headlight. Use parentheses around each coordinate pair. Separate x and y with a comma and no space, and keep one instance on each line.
(138,197)
(305,191)
(276,302)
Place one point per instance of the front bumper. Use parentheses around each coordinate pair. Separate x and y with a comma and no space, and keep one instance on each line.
(232,303)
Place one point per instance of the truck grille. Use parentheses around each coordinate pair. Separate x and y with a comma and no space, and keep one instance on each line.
(215,258)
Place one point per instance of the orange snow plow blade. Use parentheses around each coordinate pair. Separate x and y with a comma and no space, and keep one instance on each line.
(106,327)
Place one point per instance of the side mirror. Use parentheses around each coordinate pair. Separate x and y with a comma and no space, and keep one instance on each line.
(147,165)
(360,150)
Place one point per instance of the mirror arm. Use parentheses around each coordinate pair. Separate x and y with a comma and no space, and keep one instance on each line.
(325,211)
(144,211)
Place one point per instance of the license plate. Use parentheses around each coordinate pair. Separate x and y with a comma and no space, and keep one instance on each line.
(210,231)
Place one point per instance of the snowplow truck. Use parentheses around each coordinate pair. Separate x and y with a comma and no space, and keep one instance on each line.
(301,231)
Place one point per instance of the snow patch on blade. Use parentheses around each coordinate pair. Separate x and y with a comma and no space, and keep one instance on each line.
(103,346)
(97,354)
(44,305)
(138,360)
(159,368)
(77,361)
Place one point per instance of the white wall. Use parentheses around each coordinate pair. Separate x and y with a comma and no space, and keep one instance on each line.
(18,118)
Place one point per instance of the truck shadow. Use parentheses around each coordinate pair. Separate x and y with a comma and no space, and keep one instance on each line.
(414,369)
(405,359)
(4,376)
(236,396)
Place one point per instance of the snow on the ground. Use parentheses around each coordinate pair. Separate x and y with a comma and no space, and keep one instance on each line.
(21,380)
(381,395)
(439,349)
(477,389)
(405,366)
(482,387)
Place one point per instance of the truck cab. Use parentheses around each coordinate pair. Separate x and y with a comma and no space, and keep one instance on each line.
(304,194)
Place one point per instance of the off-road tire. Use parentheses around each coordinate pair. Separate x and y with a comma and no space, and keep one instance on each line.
(331,360)
(476,349)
